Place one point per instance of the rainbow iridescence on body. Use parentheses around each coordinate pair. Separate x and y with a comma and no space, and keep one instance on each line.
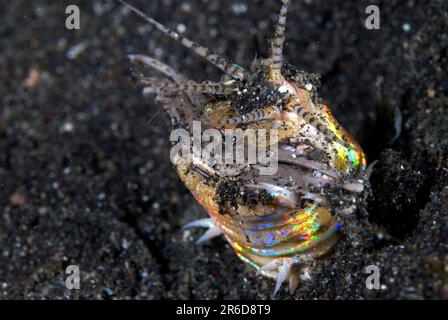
(278,222)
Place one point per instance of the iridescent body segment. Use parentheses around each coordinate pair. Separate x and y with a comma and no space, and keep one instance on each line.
(269,231)
(279,224)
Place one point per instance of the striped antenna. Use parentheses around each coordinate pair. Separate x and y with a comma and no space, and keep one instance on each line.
(188,86)
(222,63)
(313,120)
(253,116)
(276,56)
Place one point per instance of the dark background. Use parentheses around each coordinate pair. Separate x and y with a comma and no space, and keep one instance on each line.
(85,175)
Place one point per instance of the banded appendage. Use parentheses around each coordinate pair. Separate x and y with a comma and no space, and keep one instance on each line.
(274,63)
(276,56)
(301,123)
(222,63)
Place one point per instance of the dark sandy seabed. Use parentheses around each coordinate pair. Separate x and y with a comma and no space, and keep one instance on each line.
(85,175)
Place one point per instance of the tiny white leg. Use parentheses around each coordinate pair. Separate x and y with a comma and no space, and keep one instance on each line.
(293,269)
(213,229)
(201,223)
(293,282)
(370,169)
(304,274)
(273,265)
(209,234)
(283,272)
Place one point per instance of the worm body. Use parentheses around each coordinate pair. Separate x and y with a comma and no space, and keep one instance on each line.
(278,223)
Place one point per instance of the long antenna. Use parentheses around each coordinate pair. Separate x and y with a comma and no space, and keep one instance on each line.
(188,86)
(276,56)
(222,63)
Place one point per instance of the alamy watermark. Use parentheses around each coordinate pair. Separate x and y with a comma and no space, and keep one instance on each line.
(373,19)
(73,21)
(373,280)
(228,151)
(73,281)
